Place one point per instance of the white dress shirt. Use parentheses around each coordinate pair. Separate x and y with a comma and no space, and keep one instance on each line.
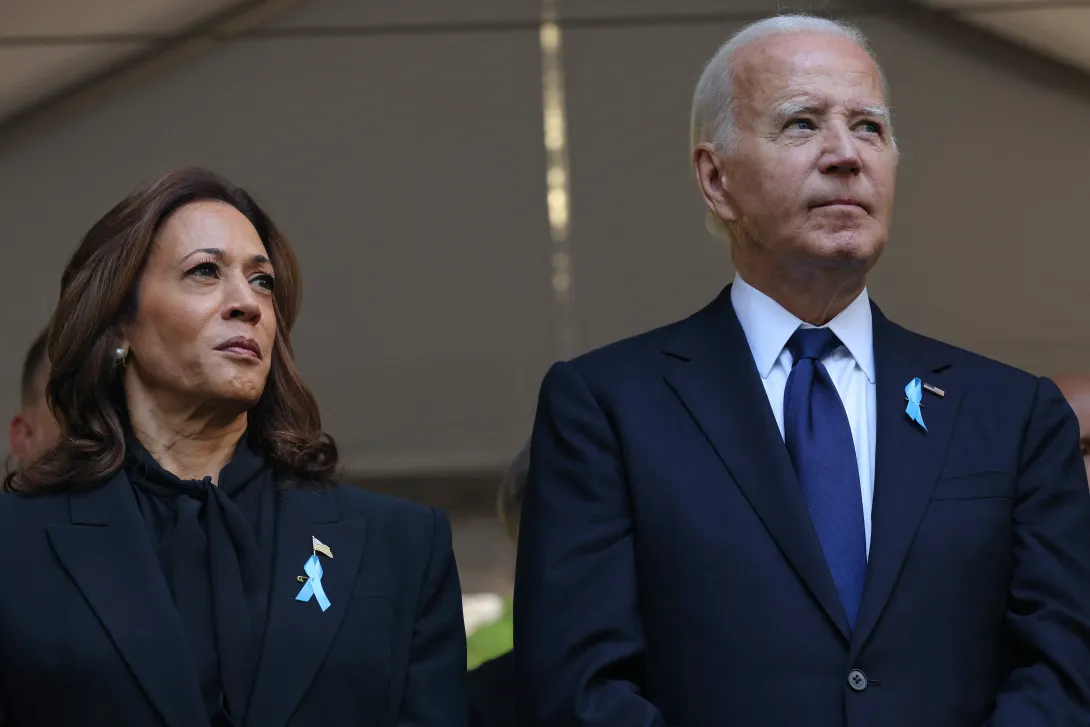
(768,326)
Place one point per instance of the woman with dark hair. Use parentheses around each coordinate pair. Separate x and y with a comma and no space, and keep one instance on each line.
(183,556)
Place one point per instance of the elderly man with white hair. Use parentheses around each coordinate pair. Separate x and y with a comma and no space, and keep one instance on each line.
(787,510)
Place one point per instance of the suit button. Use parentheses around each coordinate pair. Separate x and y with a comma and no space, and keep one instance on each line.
(857,680)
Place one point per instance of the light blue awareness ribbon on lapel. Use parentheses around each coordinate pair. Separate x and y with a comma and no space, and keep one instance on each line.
(914,392)
(313,586)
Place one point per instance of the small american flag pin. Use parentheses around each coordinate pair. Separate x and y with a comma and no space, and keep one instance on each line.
(320,547)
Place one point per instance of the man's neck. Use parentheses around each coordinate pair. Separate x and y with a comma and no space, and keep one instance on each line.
(187,443)
(814,298)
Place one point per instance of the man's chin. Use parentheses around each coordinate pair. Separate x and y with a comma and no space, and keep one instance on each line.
(847,249)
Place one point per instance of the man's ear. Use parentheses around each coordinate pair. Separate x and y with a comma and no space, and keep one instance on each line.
(714,183)
(20,436)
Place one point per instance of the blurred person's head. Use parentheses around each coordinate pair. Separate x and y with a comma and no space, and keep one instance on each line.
(1076,389)
(33,430)
(175,311)
(794,153)
(513,491)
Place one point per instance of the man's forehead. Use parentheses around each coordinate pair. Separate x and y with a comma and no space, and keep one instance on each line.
(772,70)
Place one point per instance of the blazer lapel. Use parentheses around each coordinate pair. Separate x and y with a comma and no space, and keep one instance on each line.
(717,381)
(299,634)
(106,550)
(908,459)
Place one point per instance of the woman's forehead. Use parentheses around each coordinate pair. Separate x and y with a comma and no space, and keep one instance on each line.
(213,227)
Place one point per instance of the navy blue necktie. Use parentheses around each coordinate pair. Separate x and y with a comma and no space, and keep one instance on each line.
(819,442)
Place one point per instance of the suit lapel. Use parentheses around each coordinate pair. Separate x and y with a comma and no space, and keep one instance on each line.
(107,552)
(299,634)
(908,459)
(717,381)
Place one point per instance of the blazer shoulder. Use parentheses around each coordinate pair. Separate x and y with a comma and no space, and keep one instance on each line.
(626,359)
(397,519)
(635,357)
(1006,390)
(19,509)
(354,498)
(980,366)
(25,519)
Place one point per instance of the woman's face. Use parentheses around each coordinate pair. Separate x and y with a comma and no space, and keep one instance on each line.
(204,328)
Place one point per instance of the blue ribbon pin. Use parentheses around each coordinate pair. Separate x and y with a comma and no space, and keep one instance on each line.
(914,393)
(313,586)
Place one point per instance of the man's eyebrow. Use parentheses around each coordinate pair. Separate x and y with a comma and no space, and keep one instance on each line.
(790,109)
(878,112)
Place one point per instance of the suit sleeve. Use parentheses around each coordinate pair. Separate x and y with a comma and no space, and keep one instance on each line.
(579,643)
(435,689)
(1048,611)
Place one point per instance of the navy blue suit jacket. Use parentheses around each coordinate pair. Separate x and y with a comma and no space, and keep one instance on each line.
(89,634)
(493,694)
(669,573)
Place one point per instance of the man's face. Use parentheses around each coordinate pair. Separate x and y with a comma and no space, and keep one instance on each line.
(33,430)
(1076,389)
(812,172)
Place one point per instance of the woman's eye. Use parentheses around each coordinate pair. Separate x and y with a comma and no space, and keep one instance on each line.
(264,280)
(206,270)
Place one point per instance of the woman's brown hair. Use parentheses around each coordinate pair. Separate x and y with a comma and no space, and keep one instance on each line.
(98,296)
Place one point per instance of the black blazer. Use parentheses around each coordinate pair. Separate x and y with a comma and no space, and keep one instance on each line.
(669,572)
(89,634)
(493,694)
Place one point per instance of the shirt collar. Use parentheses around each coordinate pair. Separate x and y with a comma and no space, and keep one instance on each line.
(768,326)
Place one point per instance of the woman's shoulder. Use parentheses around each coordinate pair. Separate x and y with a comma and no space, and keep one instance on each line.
(23,516)
(393,516)
(21,505)
(353,499)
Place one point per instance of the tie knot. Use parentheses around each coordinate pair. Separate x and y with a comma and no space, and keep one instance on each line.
(813,343)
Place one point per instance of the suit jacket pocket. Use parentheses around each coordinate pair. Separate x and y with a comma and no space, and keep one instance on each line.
(356,672)
(975,486)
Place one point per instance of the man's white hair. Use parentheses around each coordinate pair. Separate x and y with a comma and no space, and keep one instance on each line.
(712,118)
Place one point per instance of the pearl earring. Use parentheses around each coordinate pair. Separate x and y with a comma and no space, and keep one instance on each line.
(119,355)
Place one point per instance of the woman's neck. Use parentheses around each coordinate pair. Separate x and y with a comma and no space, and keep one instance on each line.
(189,444)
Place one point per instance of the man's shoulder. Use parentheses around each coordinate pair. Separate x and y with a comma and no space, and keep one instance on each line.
(627,361)
(962,360)
(646,353)
(638,349)
(982,383)
(641,355)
